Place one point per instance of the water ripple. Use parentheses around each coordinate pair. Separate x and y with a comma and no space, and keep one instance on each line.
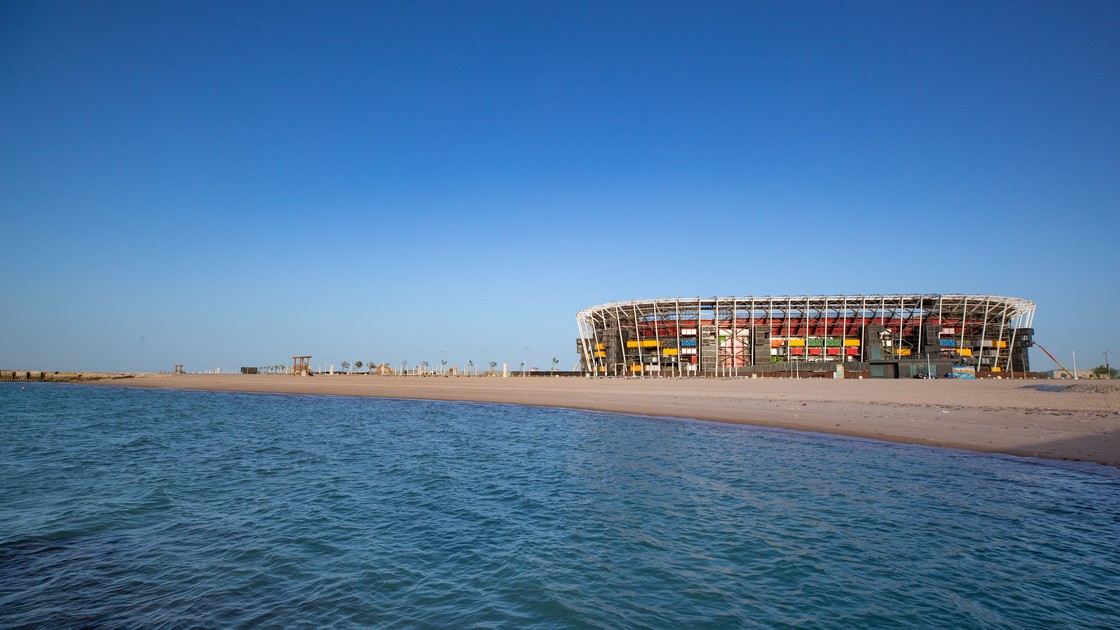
(170,509)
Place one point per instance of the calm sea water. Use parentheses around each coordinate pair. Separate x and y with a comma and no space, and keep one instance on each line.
(145,508)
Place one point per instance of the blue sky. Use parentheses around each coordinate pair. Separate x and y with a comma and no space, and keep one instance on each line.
(224,184)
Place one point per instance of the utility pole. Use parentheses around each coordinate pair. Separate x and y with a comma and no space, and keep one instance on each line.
(1107,369)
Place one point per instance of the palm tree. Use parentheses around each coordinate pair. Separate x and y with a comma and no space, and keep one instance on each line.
(554,362)
(358,365)
(493,364)
(345,366)
(470,366)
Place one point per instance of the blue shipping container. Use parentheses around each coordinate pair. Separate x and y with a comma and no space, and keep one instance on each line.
(688,343)
(948,343)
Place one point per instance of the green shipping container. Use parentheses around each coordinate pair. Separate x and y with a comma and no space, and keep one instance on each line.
(833,343)
(815,343)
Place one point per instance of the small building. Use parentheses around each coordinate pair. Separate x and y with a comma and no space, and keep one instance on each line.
(1070,374)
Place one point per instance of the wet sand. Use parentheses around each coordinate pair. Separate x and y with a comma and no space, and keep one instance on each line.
(1049,419)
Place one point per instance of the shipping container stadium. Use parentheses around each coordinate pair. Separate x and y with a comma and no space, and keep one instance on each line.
(877,336)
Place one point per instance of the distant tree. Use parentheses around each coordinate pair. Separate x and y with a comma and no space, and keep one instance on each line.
(423,367)
(470,366)
(554,362)
(404,367)
(493,364)
(345,366)
(442,363)
(1102,372)
(358,365)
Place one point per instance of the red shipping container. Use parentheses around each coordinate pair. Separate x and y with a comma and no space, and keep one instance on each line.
(851,350)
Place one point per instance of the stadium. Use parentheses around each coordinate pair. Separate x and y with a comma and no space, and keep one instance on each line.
(874,336)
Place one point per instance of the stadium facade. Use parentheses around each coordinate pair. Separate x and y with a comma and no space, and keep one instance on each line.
(887,336)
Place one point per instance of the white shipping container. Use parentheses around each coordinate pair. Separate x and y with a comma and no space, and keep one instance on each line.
(688,331)
(688,350)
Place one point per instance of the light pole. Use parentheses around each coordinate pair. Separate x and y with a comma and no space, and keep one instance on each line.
(1107,369)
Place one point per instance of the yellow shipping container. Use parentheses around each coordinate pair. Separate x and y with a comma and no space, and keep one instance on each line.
(902,352)
(851,343)
(670,351)
(797,343)
(644,343)
(966,352)
(637,367)
(995,368)
(600,355)
(599,346)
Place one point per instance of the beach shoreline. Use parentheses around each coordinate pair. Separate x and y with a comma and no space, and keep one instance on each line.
(1063,420)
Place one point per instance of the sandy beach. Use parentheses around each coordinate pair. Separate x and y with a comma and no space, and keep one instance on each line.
(1048,419)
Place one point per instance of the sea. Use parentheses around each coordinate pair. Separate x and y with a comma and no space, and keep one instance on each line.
(134,508)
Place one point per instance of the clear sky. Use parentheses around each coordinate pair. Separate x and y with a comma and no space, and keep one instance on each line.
(223,184)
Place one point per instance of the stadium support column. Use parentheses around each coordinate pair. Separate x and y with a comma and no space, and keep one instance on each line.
(921,325)
(863,329)
(734,336)
(964,324)
(999,343)
(984,330)
(583,345)
(638,337)
(621,343)
(940,319)
(677,306)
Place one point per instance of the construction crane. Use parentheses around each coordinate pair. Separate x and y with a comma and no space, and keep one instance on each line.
(1072,375)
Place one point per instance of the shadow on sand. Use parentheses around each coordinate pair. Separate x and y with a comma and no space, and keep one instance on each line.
(1102,448)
